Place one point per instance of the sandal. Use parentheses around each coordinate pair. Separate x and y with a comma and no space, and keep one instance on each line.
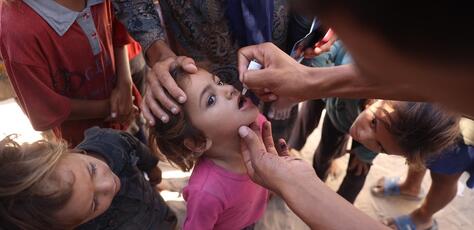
(406,223)
(391,187)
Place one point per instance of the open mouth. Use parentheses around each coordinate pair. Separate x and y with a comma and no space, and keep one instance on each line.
(241,101)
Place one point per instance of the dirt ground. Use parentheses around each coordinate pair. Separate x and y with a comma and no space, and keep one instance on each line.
(459,214)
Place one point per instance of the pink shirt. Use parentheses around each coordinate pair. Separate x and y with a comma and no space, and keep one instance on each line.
(219,199)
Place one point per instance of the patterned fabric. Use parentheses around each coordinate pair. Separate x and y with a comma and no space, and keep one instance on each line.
(141,19)
(196,28)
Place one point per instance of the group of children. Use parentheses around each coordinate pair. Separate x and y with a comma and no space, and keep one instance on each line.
(71,74)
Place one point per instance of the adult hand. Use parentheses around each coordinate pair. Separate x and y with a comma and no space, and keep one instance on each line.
(163,88)
(281,75)
(321,46)
(264,165)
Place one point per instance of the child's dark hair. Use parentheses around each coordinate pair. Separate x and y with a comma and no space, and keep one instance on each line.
(168,138)
(30,192)
(422,129)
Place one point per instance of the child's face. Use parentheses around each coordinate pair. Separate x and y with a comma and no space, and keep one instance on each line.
(93,185)
(370,129)
(218,110)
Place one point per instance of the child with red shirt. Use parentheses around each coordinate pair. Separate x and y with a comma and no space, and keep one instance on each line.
(68,64)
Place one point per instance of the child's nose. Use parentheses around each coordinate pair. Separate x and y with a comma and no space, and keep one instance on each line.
(365,134)
(230,91)
(105,186)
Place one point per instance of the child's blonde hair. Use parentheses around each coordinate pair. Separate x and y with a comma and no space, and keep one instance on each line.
(30,191)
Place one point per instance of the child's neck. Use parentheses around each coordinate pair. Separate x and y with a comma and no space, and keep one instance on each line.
(227,158)
(75,5)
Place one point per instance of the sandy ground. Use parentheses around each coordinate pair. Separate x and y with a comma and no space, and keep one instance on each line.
(459,214)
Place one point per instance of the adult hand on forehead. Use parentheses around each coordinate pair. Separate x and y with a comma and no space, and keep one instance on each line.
(163,88)
(281,76)
(263,163)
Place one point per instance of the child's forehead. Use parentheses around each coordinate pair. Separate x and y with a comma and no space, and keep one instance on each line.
(196,80)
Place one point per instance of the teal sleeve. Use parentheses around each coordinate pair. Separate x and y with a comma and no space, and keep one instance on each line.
(365,154)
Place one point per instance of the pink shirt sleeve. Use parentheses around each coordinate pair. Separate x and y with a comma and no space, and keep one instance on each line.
(202,210)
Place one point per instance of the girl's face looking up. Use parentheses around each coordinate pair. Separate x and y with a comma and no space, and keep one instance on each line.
(217,109)
(370,129)
(93,185)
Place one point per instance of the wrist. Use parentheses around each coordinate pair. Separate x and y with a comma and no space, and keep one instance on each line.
(124,83)
(158,51)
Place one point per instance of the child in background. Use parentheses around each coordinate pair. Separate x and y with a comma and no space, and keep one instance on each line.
(68,65)
(413,130)
(445,168)
(220,195)
(98,185)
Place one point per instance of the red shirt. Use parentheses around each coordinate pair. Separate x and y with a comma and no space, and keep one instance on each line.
(133,49)
(50,61)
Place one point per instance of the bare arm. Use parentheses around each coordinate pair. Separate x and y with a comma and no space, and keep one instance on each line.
(345,81)
(321,208)
(158,51)
(121,103)
(297,183)
(310,83)
(89,109)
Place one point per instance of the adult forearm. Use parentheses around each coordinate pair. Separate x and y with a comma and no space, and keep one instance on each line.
(89,109)
(345,81)
(321,208)
(158,51)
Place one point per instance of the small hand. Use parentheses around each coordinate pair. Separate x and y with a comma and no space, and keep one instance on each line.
(154,175)
(121,102)
(360,167)
(322,46)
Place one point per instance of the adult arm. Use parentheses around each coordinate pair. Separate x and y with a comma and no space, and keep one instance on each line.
(161,92)
(307,196)
(310,83)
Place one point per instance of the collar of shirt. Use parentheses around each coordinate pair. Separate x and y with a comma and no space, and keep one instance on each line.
(57,16)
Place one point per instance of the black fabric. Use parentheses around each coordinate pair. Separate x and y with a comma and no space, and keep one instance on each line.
(333,145)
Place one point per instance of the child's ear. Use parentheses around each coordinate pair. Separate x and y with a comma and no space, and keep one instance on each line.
(198,147)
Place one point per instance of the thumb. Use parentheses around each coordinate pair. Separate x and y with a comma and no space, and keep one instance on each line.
(246,158)
(252,142)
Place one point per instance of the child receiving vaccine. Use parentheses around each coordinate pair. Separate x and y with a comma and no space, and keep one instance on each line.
(204,137)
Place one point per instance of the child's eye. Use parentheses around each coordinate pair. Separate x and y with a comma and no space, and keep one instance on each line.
(211,100)
(220,83)
(373,123)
